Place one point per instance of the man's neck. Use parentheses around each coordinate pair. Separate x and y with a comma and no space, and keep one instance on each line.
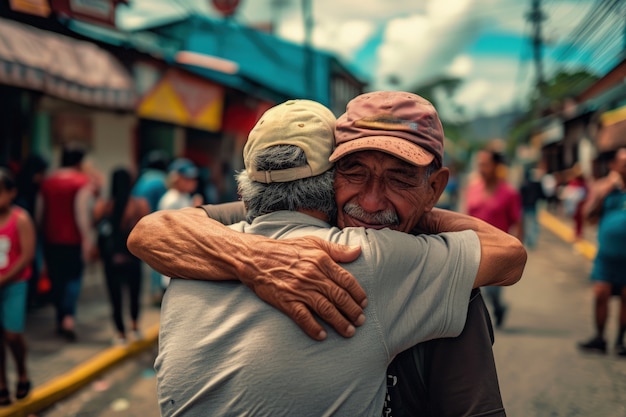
(491,183)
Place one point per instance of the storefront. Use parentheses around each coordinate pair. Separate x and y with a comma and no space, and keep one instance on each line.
(57,89)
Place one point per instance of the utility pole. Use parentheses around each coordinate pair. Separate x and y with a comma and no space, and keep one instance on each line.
(536,17)
(307,17)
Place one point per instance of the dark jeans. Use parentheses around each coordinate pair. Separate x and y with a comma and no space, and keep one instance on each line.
(117,276)
(65,269)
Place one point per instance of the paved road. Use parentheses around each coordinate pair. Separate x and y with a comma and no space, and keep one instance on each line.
(541,371)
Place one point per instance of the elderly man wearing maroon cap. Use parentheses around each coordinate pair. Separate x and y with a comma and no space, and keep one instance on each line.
(388,175)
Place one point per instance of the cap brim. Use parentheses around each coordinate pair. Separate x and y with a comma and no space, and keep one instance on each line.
(398,147)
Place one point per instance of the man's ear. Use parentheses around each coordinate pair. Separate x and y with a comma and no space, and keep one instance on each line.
(437,182)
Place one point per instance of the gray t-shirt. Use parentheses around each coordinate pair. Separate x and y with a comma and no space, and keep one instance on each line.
(225,352)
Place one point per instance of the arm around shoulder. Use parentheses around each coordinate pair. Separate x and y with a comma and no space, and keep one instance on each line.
(503,256)
(592,209)
(293,275)
(226,213)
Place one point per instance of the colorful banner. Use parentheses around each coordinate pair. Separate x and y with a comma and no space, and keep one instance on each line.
(186,100)
(612,134)
(100,12)
(35,7)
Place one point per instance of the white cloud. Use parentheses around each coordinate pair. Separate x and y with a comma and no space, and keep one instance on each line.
(493,85)
(344,39)
(420,48)
(461,66)
(421,39)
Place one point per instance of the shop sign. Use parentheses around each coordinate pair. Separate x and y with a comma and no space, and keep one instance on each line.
(612,133)
(186,100)
(35,7)
(100,12)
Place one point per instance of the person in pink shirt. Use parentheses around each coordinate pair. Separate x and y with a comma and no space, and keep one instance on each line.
(490,198)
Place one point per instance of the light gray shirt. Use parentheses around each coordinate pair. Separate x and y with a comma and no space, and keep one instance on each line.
(225,352)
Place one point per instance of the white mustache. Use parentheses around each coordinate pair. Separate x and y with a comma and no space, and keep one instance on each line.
(379,217)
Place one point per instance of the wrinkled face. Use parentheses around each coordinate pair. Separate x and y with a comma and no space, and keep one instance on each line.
(376,190)
(485,165)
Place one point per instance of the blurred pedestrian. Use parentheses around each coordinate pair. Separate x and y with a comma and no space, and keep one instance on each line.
(95,176)
(531,193)
(151,185)
(182,182)
(206,187)
(28,179)
(573,196)
(17,250)
(607,207)
(549,185)
(64,213)
(492,199)
(115,218)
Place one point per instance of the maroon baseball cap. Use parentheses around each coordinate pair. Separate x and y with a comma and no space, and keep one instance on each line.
(402,124)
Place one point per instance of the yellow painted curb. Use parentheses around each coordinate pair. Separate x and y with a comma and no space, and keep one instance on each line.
(44,396)
(565,232)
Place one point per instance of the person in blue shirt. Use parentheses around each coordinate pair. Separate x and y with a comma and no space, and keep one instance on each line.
(151,185)
(607,207)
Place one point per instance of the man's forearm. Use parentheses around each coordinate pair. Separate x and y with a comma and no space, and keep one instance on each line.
(293,275)
(593,207)
(178,243)
(503,256)
(442,221)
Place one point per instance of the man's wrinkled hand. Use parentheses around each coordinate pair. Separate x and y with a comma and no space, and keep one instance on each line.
(300,276)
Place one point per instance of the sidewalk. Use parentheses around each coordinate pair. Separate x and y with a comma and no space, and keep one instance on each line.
(59,368)
(564,229)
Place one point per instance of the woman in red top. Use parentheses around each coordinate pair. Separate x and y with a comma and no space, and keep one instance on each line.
(17,250)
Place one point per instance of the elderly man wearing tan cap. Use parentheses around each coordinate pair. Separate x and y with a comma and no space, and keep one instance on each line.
(222,348)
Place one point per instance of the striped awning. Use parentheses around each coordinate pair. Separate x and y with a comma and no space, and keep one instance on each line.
(64,67)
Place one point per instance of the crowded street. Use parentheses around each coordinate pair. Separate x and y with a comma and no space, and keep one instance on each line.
(541,371)
(279,208)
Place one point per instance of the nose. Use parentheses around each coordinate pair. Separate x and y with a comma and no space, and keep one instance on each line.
(372,196)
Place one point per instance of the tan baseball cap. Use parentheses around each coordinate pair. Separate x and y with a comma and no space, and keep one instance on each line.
(399,123)
(304,123)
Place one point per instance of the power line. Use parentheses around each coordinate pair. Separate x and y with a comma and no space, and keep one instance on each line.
(585,30)
(592,45)
(536,17)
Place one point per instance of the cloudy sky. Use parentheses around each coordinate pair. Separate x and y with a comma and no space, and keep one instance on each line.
(399,44)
